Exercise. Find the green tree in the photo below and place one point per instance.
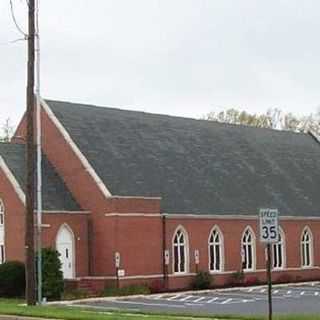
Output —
(52, 276)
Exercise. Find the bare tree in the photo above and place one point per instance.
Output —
(7, 130)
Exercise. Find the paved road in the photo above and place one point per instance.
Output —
(290, 299)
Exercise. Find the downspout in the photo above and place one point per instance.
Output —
(164, 248)
(90, 253)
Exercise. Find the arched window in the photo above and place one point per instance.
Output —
(306, 248)
(180, 251)
(215, 250)
(248, 250)
(2, 251)
(279, 252)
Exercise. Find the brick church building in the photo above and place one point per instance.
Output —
(134, 197)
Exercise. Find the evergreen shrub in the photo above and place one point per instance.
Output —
(12, 279)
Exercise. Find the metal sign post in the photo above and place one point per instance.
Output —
(197, 259)
(269, 280)
(117, 259)
(269, 233)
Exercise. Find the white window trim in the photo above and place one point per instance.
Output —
(2, 211)
(218, 230)
(311, 248)
(186, 251)
(4, 253)
(254, 258)
(283, 251)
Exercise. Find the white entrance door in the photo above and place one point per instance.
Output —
(65, 245)
(2, 257)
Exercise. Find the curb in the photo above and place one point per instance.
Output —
(10, 317)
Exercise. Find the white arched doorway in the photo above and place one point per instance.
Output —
(65, 246)
(2, 250)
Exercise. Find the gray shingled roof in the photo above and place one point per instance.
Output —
(197, 166)
(56, 196)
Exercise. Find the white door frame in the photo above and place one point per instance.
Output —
(73, 261)
(3, 230)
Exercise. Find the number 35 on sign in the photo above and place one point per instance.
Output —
(269, 225)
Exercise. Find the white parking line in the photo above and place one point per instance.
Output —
(199, 299)
(212, 300)
(174, 297)
(226, 301)
(186, 298)
(244, 295)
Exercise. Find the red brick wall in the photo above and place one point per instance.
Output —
(79, 225)
(198, 232)
(138, 239)
(89, 196)
(15, 228)
(70, 168)
(14, 220)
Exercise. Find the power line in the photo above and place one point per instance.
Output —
(12, 41)
(15, 21)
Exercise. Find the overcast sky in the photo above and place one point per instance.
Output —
(181, 57)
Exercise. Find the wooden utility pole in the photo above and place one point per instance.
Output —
(29, 222)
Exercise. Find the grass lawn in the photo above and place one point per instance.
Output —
(14, 307)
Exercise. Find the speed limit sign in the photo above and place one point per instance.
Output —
(269, 233)
(269, 225)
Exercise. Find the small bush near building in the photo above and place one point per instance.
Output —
(202, 281)
(126, 291)
(52, 277)
(12, 279)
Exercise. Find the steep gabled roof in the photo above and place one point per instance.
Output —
(56, 196)
(196, 166)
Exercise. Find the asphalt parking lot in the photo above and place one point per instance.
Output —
(293, 299)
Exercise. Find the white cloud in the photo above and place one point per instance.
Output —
(183, 57)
